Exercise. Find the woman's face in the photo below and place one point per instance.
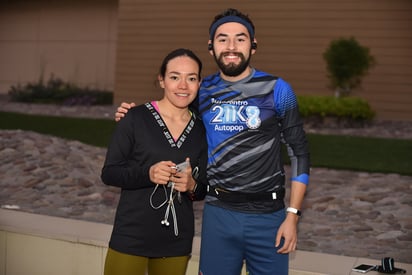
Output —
(181, 81)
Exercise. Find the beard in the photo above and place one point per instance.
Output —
(233, 69)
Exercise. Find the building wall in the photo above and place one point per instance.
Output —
(72, 40)
(292, 36)
(119, 44)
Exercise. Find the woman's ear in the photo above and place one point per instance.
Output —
(161, 81)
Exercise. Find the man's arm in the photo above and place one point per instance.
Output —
(288, 229)
(295, 140)
(294, 137)
(122, 110)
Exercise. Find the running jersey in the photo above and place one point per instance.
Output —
(246, 122)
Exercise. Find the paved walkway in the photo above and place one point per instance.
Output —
(345, 213)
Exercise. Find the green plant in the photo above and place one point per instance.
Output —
(350, 108)
(91, 131)
(56, 91)
(336, 152)
(347, 62)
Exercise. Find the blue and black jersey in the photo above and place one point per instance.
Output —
(246, 122)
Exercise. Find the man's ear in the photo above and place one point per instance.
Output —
(210, 47)
(254, 45)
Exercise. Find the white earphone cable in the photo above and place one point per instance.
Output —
(170, 206)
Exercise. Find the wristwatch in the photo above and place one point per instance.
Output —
(294, 211)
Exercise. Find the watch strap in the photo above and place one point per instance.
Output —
(294, 211)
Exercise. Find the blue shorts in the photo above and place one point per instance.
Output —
(231, 237)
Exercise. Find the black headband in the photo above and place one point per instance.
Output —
(228, 19)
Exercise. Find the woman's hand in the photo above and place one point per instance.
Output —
(183, 179)
(161, 172)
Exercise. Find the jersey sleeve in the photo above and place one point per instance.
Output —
(292, 131)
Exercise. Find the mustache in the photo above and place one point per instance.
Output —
(232, 53)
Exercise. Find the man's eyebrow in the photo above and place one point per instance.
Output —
(226, 35)
(242, 34)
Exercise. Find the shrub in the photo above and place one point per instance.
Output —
(56, 91)
(347, 110)
(347, 62)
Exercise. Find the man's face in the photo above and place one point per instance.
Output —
(232, 49)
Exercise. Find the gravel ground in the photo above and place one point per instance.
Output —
(345, 212)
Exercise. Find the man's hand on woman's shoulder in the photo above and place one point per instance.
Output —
(122, 110)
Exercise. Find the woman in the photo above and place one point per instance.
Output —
(154, 224)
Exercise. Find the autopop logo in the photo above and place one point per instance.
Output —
(233, 116)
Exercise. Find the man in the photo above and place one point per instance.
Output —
(248, 114)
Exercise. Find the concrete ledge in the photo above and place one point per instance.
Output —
(38, 244)
(70, 230)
